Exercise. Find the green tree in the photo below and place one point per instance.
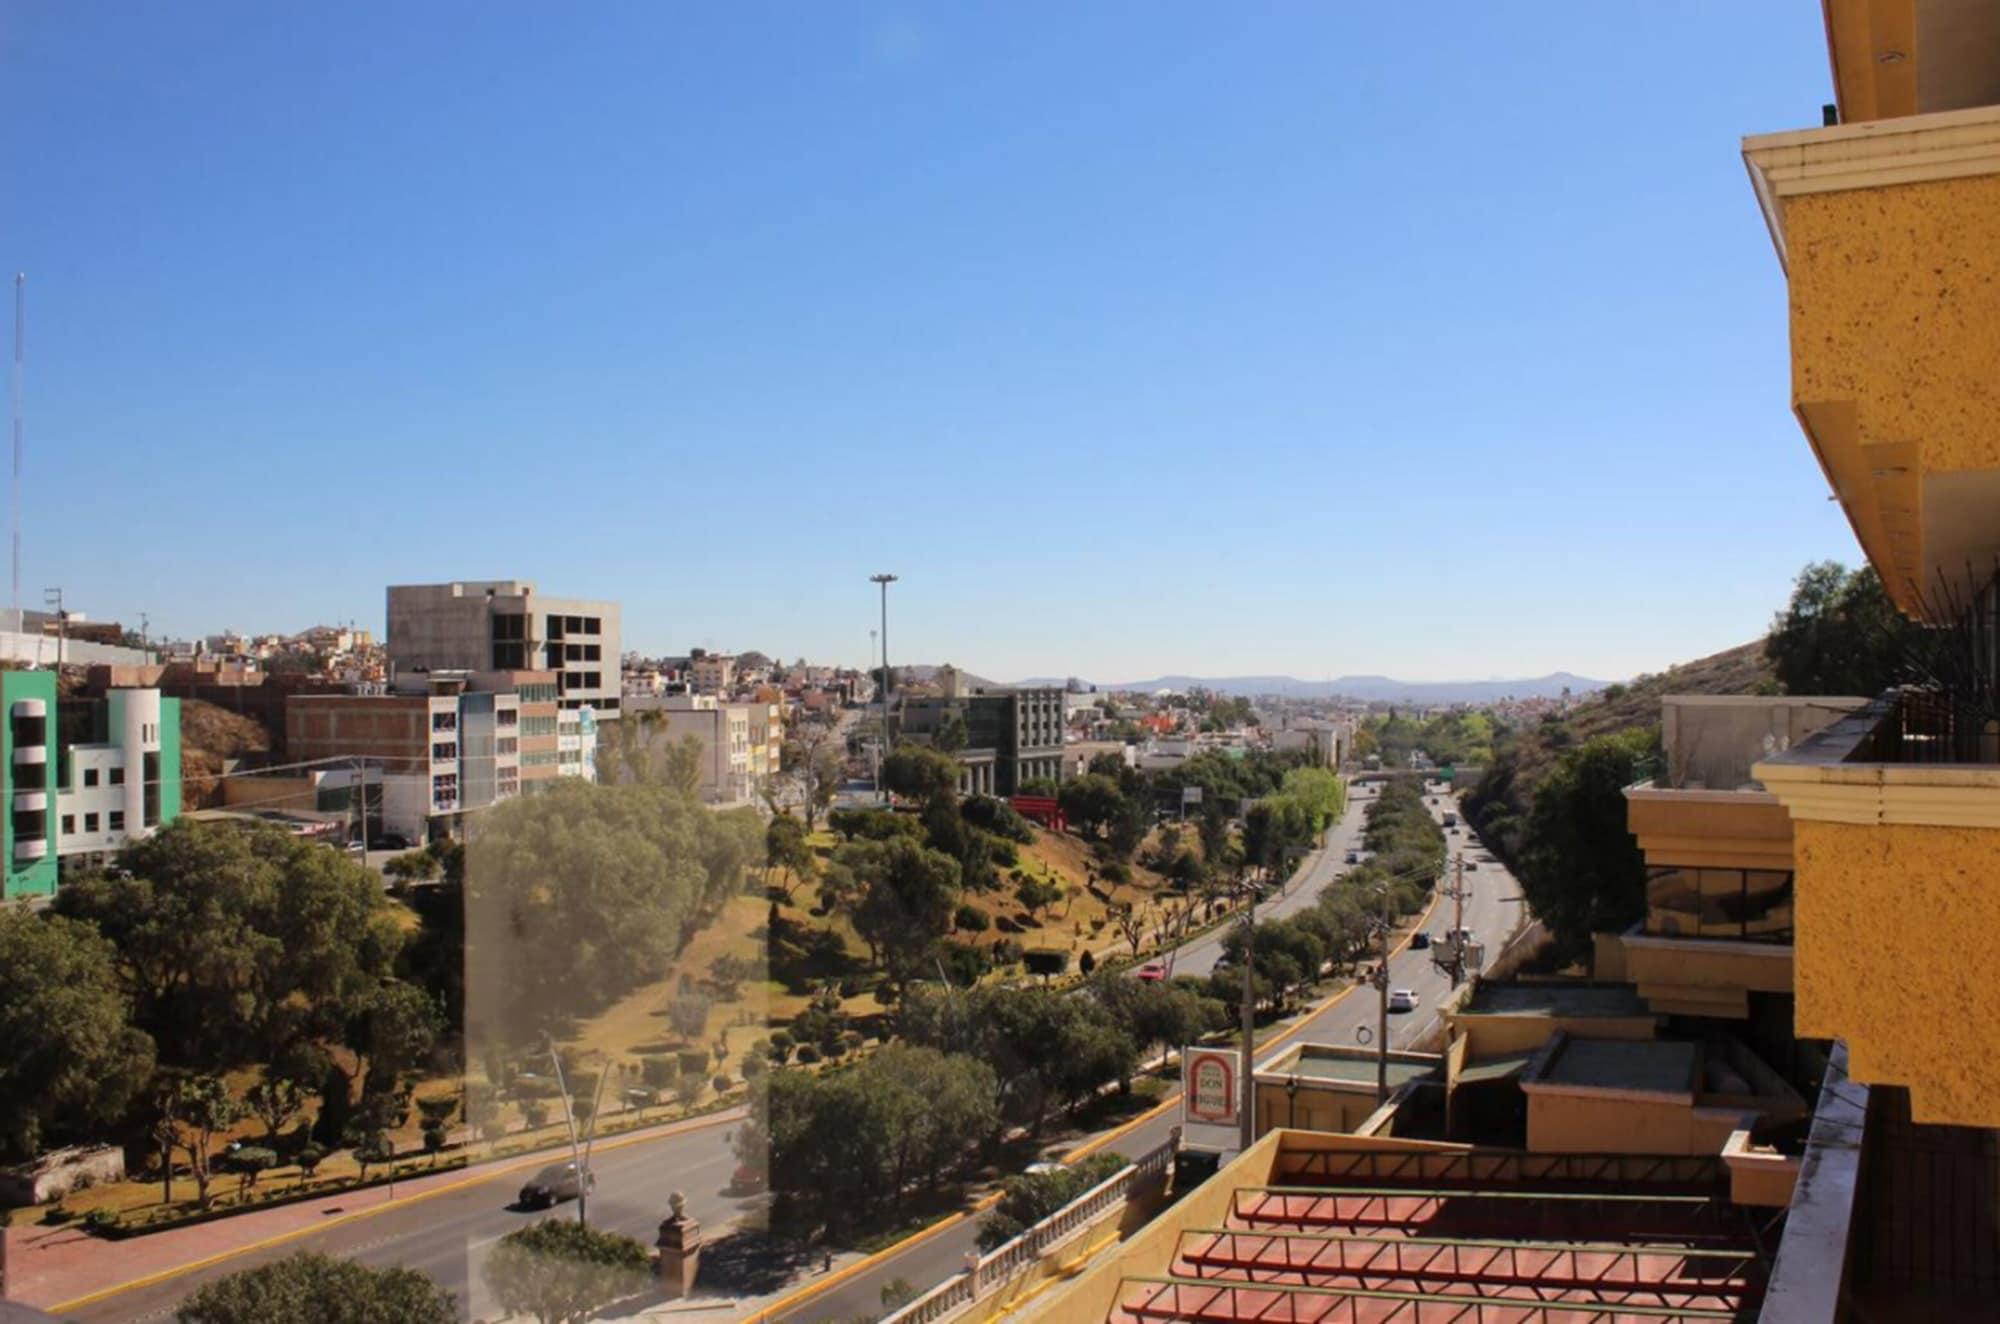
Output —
(1581, 870)
(1091, 802)
(194, 1109)
(1840, 634)
(908, 897)
(392, 1028)
(786, 853)
(921, 774)
(951, 735)
(232, 941)
(1037, 894)
(72, 1063)
(562, 1271)
(307, 1288)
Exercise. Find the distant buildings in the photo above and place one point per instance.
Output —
(81, 777)
(740, 742)
(505, 625)
(1003, 737)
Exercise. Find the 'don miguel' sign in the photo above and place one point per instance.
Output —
(1208, 1086)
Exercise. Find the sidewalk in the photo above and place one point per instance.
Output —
(47, 1266)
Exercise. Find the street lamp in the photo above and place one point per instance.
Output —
(883, 740)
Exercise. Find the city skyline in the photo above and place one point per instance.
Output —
(1072, 320)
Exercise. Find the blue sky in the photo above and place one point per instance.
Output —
(1437, 340)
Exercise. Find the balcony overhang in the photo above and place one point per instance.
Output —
(1700, 829)
(1909, 57)
(1889, 233)
(1817, 782)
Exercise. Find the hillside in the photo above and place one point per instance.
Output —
(1501, 799)
(210, 736)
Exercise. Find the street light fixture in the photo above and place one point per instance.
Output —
(882, 740)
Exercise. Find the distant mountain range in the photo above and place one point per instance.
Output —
(1383, 689)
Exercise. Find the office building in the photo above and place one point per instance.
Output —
(81, 777)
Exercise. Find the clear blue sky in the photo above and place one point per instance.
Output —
(1437, 340)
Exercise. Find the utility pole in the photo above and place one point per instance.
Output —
(1457, 894)
(1382, 1004)
(882, 745)
(1248, 1107)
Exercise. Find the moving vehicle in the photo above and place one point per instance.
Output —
(554, 1184)
(1472, 866)
(1354, 857)
(1402, 999)
(1451, 820)
(1420, 939)
(1153, 971)
(746, 1179)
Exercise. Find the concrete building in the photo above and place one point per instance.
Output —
(1005, 736)
(447, 744)
(712, 674)
(81, 777)
(505, 625)
(1886, 225)
(733, 770)
(1327, 741)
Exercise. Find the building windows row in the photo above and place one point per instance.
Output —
(444, 721)
(444, 753)
(538, 758)
(510, 626)
(507, 745)
(506, 716)
(444, 791)
(538, 726)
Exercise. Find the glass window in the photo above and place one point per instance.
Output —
(90, 822)
(118, 820)
(90, 776)
(118, 775)
(69, 825)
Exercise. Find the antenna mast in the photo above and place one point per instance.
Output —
(20, 336)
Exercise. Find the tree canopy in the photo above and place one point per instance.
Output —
(1582, 871)
(1840, 634)
(72, 1062)
(308, 1288)
(561, 1271)
(232, 941)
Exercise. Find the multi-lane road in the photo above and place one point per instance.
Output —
(449, 1235)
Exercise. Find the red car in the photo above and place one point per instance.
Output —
(1153, 971)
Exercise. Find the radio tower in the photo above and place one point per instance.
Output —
(20, 335)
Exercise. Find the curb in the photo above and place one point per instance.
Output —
(280, 1238)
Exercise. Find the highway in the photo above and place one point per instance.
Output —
(448, 1236)
(1493, 910)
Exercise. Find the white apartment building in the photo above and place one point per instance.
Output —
(712, 673)
(732, 771)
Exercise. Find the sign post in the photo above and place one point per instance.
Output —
(1209, 1096)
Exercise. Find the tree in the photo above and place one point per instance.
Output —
(562, 1271)
(1092, 802)
(72, 1063)
(193, 1109)
(1581, 871)
(688, 1014)
(951, 735)
(275, 1101)
(921, 774)
(249, 1162)
(307, 1288)
(786, 853)
(232, 941)
(909, 895)
(584, 893)
(415, 866)
(1840, 634)
(392, 1029)
(1037, 894)
(811, 763)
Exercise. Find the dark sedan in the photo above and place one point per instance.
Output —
(554, 1184)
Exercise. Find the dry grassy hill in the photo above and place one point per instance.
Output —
(210, 736)
(1506, 792)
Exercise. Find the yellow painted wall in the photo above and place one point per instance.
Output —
(1894, 305)
(1314, 1108)
(1689, 829)
(1709, 965)
(1893, 954)
(1597, 1122)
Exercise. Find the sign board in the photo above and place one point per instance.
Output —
(1190, 795)
(1209, 1092)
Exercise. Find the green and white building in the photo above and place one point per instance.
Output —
(81, 777)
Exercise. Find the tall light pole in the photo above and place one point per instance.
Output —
(882, 743)
(1247, 1133)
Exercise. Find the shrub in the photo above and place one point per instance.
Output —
(658, 1071)
(754, 1066)
(971, 919)
(719, 1083)
(309, 1158)
(808, 1054)
(1116, 872)
(693, 1061)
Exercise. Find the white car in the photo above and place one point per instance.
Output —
(1402, 999)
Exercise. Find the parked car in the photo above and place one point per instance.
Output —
(554, 1184)
(1354, 857)
(746, 1179)
(1153, 971)
(1472, 866)
(1402, 999)
(1420, 939)
(388, 841)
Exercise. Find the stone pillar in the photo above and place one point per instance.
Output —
(680, 1250)
(972, 1272)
